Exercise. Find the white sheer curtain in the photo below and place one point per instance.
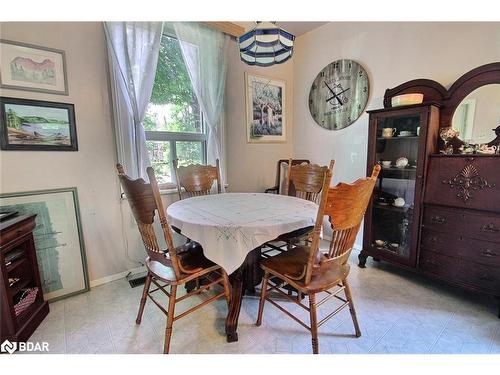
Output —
(133, 49)
(205, 53)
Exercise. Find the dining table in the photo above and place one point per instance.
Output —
(232, 228)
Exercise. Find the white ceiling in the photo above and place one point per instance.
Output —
(296, 28)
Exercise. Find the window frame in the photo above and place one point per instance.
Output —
(174, 137)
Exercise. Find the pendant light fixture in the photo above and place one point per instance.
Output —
(266, 45)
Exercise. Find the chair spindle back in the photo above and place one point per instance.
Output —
(197, 179)
(145, 200)
(306, 180)
(345, 206)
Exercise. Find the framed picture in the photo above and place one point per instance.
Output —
(32, 68)
(37, 126)
(58, 238)
(265, 107)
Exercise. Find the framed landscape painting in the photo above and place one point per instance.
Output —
(265, 108)
(58, 238)
(32, 68)
(36, 125)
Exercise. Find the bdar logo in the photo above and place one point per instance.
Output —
(8, 347)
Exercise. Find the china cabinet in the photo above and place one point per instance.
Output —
(392, 219)
(433, 212)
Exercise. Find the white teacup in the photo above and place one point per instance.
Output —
(388, 132)
(399, 202)
(386, 163)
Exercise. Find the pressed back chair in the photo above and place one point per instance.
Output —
(304, 181)
(197, 179)
(171, 267)
(309, 270)
(280, 180)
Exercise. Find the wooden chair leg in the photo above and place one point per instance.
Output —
(351, 308)
(262, 299)
(143, 298)
(170, 318)
(227, 288)
(314, 323)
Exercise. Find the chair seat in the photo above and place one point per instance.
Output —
(290, 267)
(191, 258)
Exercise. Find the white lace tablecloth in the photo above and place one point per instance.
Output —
(230, 225)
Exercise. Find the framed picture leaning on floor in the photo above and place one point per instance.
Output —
(58, 236)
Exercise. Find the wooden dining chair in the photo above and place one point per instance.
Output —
(304, 181)
(197, 179)
(171, 267)
(276, 189)
(311, 271)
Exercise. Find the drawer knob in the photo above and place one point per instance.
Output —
(490, 228)
(488, 253)
(438, 219)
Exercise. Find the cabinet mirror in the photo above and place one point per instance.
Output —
(478, 114)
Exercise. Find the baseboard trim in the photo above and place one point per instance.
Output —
(116, 276)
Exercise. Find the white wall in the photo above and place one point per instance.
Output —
(391, 53)
(92, 168)
(252, 166)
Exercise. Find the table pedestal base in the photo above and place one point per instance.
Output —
(244, 278)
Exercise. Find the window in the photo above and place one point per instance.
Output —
(173, 122)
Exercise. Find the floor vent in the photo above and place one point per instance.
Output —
(136, 281)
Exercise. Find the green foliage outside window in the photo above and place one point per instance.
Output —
(173, 107)
(172, 88)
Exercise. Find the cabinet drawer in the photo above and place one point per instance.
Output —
(438, 264)
(462, 223)
(484, 252)
(484, 277)
(20, 230)
(443, 243)
(464, 181)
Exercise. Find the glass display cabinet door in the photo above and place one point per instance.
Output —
(397, 151)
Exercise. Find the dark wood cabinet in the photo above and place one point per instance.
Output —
(392, 220)
(449, 227)
(19, 274)
(462, 220)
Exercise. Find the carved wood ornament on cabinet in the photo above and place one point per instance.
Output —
(467, 181)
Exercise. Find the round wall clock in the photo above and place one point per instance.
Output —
(339, 94)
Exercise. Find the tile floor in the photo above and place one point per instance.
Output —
(399, 312)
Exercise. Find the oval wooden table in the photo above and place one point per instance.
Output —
(232, 228)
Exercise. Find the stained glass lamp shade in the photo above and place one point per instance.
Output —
(266, 45)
